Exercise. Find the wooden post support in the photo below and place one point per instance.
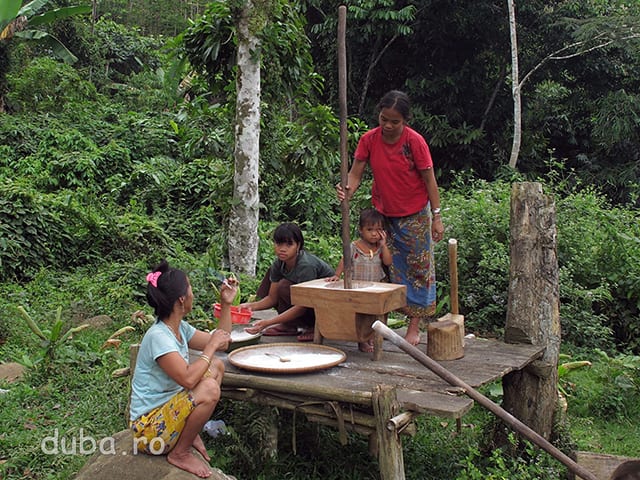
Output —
(385, 407)
(533, 310)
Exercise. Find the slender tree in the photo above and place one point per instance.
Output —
(592, 34)
(515, 86)
(243, 222)
(229, 43)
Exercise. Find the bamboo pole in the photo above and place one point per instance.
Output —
(344, 137)
(306, 406)
(401, 421)
(512, 421)
(356, 428)
(271, 384)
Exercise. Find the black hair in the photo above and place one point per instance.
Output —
(370, 216)
(171, 284)
(629, 470)
(397, 100)
(288, 233)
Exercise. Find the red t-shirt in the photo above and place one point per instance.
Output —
(398, 188)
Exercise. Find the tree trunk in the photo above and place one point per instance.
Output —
(533, 311)
(243, 224)
(515, 87)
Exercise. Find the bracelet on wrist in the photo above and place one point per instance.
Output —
(206, 358)
(436, 211)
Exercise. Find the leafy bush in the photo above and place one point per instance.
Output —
(31, 232)
(477, 215)
(598, 255)
(531, 465)
(598, 249)
(46, 86)
(609, 390)
(118, 50)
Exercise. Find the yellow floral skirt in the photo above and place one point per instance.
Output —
(158, 431)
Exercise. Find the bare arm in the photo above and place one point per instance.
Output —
(387, 258)
(188, 375)
(437, 228)
(287, 316)
(339, 270)
(270, 301)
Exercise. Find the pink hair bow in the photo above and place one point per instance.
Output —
(152, 278)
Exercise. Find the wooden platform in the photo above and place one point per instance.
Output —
(418, 389)
(345, 396)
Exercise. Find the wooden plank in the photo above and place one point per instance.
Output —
(300, 384)
(435, 403)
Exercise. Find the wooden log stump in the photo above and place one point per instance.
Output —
(445, 340)
(533, 309)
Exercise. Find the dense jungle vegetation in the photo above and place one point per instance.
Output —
(125, 156)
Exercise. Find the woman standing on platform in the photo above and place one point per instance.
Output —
(405, 191)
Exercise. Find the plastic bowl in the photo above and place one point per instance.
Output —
(238, 315)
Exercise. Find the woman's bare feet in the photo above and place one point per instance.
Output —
(413, 332)
(198, 444)
(366, 347)
(189, 462)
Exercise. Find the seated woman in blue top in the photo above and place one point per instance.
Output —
(292, 265)
(172, 399)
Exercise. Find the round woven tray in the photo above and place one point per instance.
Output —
(286, 357)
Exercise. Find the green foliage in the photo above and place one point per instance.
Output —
(210, 44)
(46, 86)
(52, 340)
(59, 230)
(14, 18)
(156, 17)
(607, 393)
(79, 395)
(597, 251)
(597, 257)
(530, 465)
(477, 215)
(122, 51)
(31, 232)
(201, 127)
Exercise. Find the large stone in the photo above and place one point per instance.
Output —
(99, 321)
(116, 460)
(11, 371)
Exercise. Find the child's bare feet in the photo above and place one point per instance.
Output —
(366, 347)
(413, 332)
(189, 462)
(198, 444)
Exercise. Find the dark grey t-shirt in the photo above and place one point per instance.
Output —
(308, 267)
